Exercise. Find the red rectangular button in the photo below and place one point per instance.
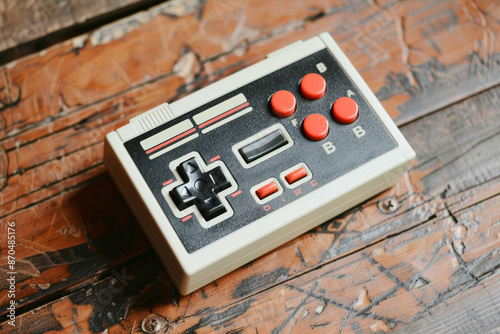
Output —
(266, 190)
(296, 175)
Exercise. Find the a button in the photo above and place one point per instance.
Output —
(283, 103)
(263, 146)
(296, 175)
(313, 86)
(315, 127)
(200, 188)
(345, 110)
(266, 190)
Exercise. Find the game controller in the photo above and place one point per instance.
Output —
(234, 170)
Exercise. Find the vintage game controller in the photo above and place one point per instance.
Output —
(244, 165)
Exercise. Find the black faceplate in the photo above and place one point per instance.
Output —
(351, 152)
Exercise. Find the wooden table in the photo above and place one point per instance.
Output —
(82, 263)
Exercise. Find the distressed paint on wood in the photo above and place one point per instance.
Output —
(25, 21)
(425, 196)
(87, 89)
(406, 277)
(51, 146)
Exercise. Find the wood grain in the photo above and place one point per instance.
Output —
(406, 277)
(85, 97)
(440, 242)
(76, 234)
(25, 21)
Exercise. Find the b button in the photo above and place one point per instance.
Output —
(313, 86)
(315, 127)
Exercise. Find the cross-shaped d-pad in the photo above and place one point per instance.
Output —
(200, 188)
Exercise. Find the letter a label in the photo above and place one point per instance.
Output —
(359, 132)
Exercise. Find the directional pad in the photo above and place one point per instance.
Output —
(200, 188)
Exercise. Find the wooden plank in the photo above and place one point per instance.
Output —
(441, 179)
(26, 21)
(71, 106)
(47, 162)
(414, 278)
(99, 65)
(52, 132)
(384, 287)
(68, 240)
(23, 153)
(473, 311)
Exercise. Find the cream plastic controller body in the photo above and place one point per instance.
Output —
(192, 270)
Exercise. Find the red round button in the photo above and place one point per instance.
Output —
(315, 127)
(313, 86)
(283, 103)
(345, 110)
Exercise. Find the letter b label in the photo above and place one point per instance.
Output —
(329, 147)
(358, 131)
(321, 67)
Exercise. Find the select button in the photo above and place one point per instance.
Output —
(263, 146)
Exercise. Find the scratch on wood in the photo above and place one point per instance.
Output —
(301, 257)
(322, 325)
(10, 93)
(337, 230)
(432, 74)
(220, 318)
(256, 282)
(478, 312)
(363, 312)
(117, 30)
(280, 328)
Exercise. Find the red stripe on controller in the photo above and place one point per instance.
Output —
(236, 193)
(187, 218)
(166, 183)
(170, 140)
(215, 158)
(227, 113)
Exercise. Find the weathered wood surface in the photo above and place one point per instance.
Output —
(25, 21)
(75, 234)
(442, 241)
